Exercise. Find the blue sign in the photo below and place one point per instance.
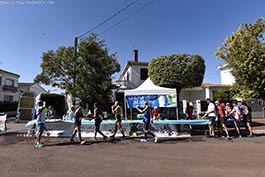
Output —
(153, 100)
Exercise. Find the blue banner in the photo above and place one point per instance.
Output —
(153, 100)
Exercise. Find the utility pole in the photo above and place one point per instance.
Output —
(75, 47)
(74, 66)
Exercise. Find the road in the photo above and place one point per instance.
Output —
(193, 157)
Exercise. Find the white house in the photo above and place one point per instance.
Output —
(226, 76)
(8, 86)
(32, 87)
(135, 73)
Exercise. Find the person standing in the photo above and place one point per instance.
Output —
(189, 111)
(211, 116)
(156, 113)
(71, 113)
(221, 117)
(246, 117)
(116, 110)
(77, 122)
(51, 114)
(147, 120)
(40, 122)
(97, 116)
(227, 110)
(236, 115)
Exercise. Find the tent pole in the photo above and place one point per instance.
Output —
(125, 108)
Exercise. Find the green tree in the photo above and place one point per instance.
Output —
(88, 76)
(177, 71)
(244, 52)
(221, 95)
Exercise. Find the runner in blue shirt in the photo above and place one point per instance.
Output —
(147, 119)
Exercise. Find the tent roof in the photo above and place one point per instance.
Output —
(149, 88)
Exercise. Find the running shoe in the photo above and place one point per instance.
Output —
(48, 134)
(94, 138)
(155, 139)
(39, 145)
(105, 138)
(143, 140)
(82, 142)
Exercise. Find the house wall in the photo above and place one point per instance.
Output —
(133, 75)
(5, 78)
(192, 95)
(226, 77)
(37, 89)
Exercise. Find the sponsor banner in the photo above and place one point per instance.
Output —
(153, 100)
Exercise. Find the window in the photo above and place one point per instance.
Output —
(10, 82)
(143, 73)
(8, 98)
(0, 81)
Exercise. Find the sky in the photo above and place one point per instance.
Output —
(153, 27)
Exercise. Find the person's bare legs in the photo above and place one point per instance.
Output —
(226, 130)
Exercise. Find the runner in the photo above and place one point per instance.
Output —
(97, 116)
(78, 117)
(116, 110)
(147, 118)
(40, 122)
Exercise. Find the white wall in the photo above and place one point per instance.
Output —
(191, 95)
(226, 77)
(134, 76)
(4, 77)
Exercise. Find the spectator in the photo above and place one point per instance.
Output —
(156, 113)
(51, 114)
(236, 116)
(246, 115)
(211, 116)
(221, 117)
(71, 113)
(189, 111)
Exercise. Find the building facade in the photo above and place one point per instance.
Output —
(226, 75)
(8, 86)
(134, 73)
(31, 87)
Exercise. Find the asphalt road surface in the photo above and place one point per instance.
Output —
(193, 157)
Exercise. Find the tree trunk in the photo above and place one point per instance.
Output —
(177, 103)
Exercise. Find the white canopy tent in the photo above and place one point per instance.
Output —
(148, 88)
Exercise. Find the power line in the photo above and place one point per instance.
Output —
(135, 12)
(108, 19)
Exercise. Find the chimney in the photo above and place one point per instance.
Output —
(135, 55)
